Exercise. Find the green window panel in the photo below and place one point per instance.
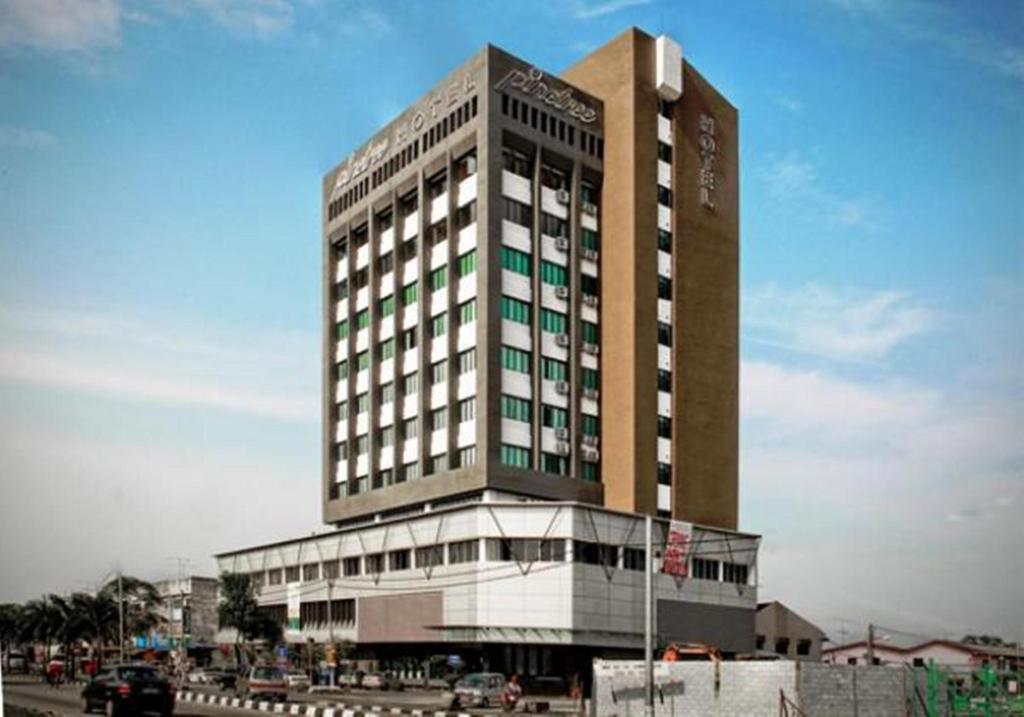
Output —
(410, 294)
(515, 260)
(552, 321)
(342, 328)
(591, 425)
(387, 306)
(589, 472)
(439, 278)
(591, 334)
(515, 310)
(590, 239)
(438, 325)
(517, 409)
(553, 274)
(591, 378)
(466, 263)
(553, 369)
(362, 319)
(341, 370)
(467, 312)
(552, 463)
(552, 417)
(515, 359)
(515, 456)
(362, 360)
(387, 349)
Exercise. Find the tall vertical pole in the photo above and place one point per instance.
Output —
(871, 644)
(649, 616)
(120, 618)
(330, 634)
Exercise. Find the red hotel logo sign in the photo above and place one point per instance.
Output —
(677, 549)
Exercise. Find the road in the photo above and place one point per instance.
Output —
(64, 700)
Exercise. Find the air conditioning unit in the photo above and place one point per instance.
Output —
(591, 455)
(562, 434)
(590, 208)
(562, 449)
(591, 348)
(590, 300)
(562, 340)
(590, 441)
(562, 196)
(590, 254)
(562, 292)
(562, 387)
(562, 243)
(590, 393)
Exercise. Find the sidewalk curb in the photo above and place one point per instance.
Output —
(302, 710)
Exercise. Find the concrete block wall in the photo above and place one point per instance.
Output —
(861, 690)
(751, 689)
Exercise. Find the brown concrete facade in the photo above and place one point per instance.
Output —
(355, 191)
(705, 299)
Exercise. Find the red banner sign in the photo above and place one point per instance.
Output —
(677, 549)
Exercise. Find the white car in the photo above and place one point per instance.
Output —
(297, 680)
(479, 689)
(197, 677)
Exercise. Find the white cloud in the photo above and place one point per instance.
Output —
(261, 18)
(83, 26)
(846, 325)
(586, 9)
(63, 372)
(874, 497)
(76, 507)
(24, 138)
(939, 27)
(268, 375)
(801, 400)
(793, 185)
(790, 104)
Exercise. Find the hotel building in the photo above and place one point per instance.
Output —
(530, 342)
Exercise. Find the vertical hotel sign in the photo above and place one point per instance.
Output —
(675, 559)
(708, 146)
(294, 606)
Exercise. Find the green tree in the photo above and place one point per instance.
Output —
(239, 609)
(40, 622)
(98, 620)
(68, 627)
(139, 600)
(10, 627)
(987, 641)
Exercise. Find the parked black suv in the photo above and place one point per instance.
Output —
(128, 690)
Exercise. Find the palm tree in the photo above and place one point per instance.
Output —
(69, 627)
(139, 600)
(98, 619)
(10, 623)
(40, 621)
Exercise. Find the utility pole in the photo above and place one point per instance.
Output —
(871, 644)
(649, 616)
(330, 634)
(120, 618)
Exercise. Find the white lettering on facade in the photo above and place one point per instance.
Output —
(708, 154)
(531, 82)
(407, 130)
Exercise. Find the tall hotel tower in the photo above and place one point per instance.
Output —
(530, 295)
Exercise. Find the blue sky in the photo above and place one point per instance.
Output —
(160, 165)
